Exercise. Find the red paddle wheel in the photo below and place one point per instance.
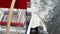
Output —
(20, 4)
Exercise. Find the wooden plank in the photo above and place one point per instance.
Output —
(10, 16)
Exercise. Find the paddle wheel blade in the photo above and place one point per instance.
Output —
(20, 4)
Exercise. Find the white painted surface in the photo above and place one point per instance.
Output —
(1, 14)
(12, 30)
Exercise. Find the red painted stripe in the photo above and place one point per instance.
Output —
(16, 24)
(20, 4)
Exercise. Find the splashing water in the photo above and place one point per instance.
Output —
(45, 10)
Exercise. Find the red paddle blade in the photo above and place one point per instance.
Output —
(20, 4)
